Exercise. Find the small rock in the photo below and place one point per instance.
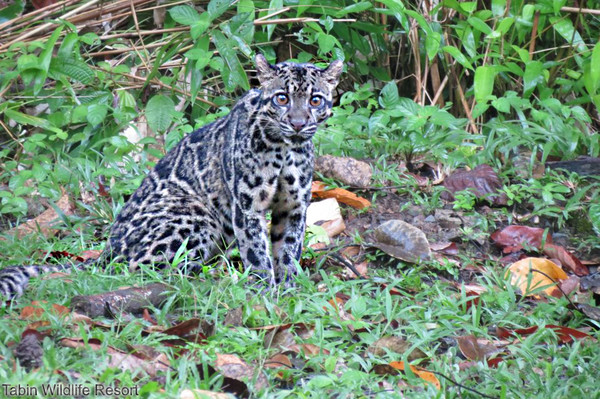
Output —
(430, 219)
(349, 171)
(402, 240)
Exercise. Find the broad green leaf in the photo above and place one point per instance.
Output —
(326, 42)
(27, 120)
(501, 104)
(159, 112)
(217, 7)
(75, 69)
(11, 11)
(484, 82)
(233, 73)
(532, 76)
(505, 25)
(274, 5)
(498, 7)
(458, 56)
(69, 46)
(96, 114)
(200, 26)
(356, 7)
(126, 100)
(185, 15)
(479, 25)
(432, 44)
(389, 96)
(45, 58)
(565, 28)
(244, 6)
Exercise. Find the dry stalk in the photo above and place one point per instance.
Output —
(580, 10)
(297, 20)
(49, 24)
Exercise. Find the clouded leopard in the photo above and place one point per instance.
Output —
(216, 185)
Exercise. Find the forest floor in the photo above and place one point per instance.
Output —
(499, 302)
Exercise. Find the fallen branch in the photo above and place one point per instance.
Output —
(131, 300)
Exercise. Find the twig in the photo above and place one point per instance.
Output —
(33, 16)
(273, 14)
(144, 32)
(10, 133)
(580, 10)
(483, 395)
(49, 24)
(298, 20)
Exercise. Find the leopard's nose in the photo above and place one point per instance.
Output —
(298, 124)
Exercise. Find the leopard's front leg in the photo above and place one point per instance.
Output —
(250, 231)
(289, 212)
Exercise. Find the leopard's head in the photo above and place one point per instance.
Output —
(297, 97)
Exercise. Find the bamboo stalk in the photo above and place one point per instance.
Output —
(144, 33)
(49, 24)
(33, 16)
(580, 10)
(273, 14)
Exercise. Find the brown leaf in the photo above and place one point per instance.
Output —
(512, 238)
(475, 349)
(482, 181)
(45, 221)
(233, 367)
(90, 254)
(344, 196)
(35, 310)
(419, 371)
(394, 344)
(278, 360)
(567, 259)
(402, 240)
(308, 349)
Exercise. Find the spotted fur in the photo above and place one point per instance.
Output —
(216, 185)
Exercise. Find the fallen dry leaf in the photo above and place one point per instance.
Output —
(35, 310)
(475, 349)
(45, 221)
(394, 344)
(482, 181)
(565, 334)
(420, 372)
(402, 240)
(344, 196)
(567, 259)
(513, 237)
(525, 277)
(233, 367)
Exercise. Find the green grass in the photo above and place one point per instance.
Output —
(428, 315)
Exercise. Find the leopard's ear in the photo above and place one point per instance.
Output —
(266, 71)
(332, 73)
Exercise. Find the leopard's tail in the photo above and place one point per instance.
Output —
(14, 279)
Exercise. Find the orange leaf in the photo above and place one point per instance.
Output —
(421, 372)
(35, 311)
(525, 277)
(344, 196)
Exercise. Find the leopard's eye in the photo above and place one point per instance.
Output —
(281, 99)
(315, 101)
